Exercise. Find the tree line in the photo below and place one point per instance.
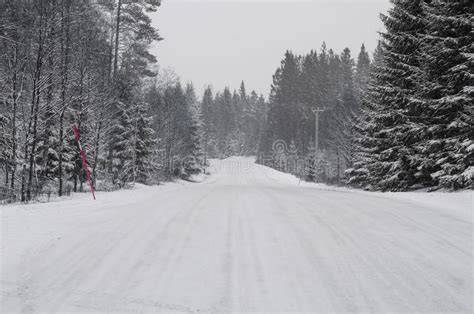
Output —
(233, 122)
(416, 128)
(320, 80)
(82, 63)
(399, 121)
(88, 64)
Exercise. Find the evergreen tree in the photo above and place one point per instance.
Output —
(385, 126)
(195, 154)
(58, 61)
(225, 122)
(285, 108)
(121, 154)
(144, 145)
(343, 116)
(362, 71)
(209, 121)
(444, 107)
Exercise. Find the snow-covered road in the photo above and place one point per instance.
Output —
(246, 239)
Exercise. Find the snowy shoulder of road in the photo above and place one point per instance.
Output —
(245, 238)
(461, 202)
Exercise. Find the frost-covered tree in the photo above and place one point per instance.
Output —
(195, 154)
(6, 142)
(342, 117)
(143, 144)
(386, 134)
(444, 105)
(63, 63)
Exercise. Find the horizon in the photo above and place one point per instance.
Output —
(251, 51)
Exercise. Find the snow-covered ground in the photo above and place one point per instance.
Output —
(247, 238)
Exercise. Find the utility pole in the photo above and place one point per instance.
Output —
(316, 112)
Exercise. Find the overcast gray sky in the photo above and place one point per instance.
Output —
(222, 42)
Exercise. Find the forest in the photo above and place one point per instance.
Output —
(396, 120)
(401, 120)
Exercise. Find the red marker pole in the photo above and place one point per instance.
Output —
(84, 162)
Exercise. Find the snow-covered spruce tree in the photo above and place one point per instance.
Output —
(363, 157)
(176, 132)
(122, 133)
(332, 98)
(237, 136)
(48, 141)
(246, 120)
(225, 124)
(194, 159)
(143, 143)
(133, 144)
(445, 105)
(250, 124)
(385, 133)
(120, 155)
(261, 120)
(342, 116)
(209, 125)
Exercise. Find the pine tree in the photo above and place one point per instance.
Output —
(131, 22)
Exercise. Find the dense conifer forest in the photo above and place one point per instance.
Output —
(397, 119)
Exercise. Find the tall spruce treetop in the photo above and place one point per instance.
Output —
(362, 72)
(309, 80)
(207, 109)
